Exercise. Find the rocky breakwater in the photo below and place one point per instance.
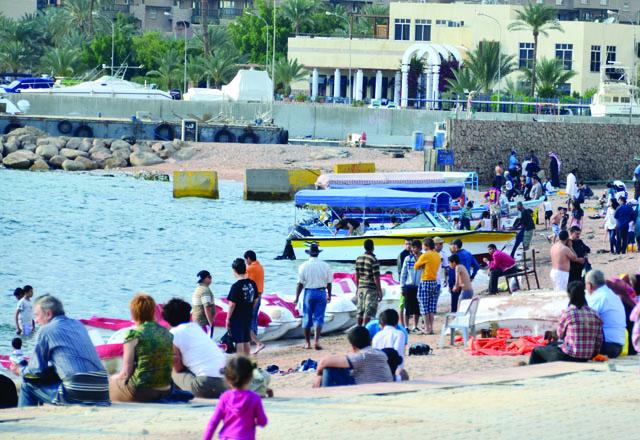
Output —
(31, 149)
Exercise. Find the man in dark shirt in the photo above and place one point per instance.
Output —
(350, 224)
(526, 227)
(368, 284)
(581, 250)
(624, 215)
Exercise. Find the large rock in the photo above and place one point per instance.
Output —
(47, 151)
(20, 159)
(86, 145)
(72, 165)
(164, 149)
(115, 162)
(185, 153)
(74, 143)
(11, 145)
(120, 145)
(29, 147)
(122, 154)
(104, 143)
(101, 154)
(72, 154)
(57, 161)
(98, 148)
(39, 165)
(141, 147)
(143, 159)
(87, 163)
(35, 132)
(55, 141)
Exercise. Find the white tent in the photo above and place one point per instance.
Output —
(249, 85)
(196, 94)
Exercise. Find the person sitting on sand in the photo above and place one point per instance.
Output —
(390, 336)
(240, 410)
(147, 357)
(611, 311)
(579, 330)
(243, 298)
(561, 257)
(501, 264)
(315, 278)
(197, 360)
(364, 365)
(65, 367)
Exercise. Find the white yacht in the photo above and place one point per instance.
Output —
(616, 95)
(105, 87)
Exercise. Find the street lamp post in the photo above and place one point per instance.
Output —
(266, 57)
(349, 23)
(499, 52)
(113, 39)
(273, 58)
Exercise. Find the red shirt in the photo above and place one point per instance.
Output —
(581, 330)
(501, 260)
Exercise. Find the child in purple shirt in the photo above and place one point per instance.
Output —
(240, 410)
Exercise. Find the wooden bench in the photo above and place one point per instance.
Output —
(525, 268)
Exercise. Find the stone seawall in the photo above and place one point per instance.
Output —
(598, 151)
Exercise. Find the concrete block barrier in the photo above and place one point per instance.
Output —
(277, 183)
(195, 184)
(361, 167)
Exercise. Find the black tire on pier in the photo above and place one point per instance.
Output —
(225, 136)
(83, 131)
(249, 137)
(283, 137)
(10, 127)
(164, 132)
(64, 127)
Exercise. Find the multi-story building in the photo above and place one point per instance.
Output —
(15, 10)
(437, 32)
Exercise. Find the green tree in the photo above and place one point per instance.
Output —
(549, 76)
(463, 81)
(513, 87)
(484, 64)
(194, 69)
(60, 61)
(150, 47)
(169, 68)
(98, 51)
(539, 19)
(416, 69)
(13, 56)
(288, 72)
(299, 13)
(220, 68)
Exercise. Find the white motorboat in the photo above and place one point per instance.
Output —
(616, 95)
(105, 87)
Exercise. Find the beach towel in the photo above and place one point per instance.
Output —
(499, 346)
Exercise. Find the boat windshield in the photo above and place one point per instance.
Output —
(419, 221)
(441, 221)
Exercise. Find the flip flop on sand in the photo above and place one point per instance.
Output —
(306, 347)
(259, 348)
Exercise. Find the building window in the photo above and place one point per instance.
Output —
(604, 2)
(611, 54)
(625, 6)
(564, 53)
(442, 22)
(564, 89)
(525, 59)
(423, 30)
(584, 2)
(595, 59)
(402, 28)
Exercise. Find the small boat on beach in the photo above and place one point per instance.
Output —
(616, 95)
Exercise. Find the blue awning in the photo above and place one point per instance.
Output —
(369, 198)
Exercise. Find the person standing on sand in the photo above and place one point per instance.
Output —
(572, 187)
(242, 298)
(624, 215)
(526, 225)
(462, 288)
(561, 257)
(368, 284)
(409, 281)
(582, 251)
(255, 272)
(514, 165)
(428, 290)
(401, 258)
(314, 276)
(204, 309)
(554, 169)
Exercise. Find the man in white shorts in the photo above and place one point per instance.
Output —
(561, 257)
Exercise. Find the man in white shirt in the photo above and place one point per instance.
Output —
(390, 337)
(315, 277)
(572, 187)
(611, 311)
(197, 360)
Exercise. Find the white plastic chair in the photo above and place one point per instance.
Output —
(464, 321)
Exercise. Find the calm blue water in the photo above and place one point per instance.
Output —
(95, 240)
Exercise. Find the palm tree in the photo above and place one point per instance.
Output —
(513, 88)
(194, 69)
(220, 68)
(218, 39)
(549, 76)
(13, 55)
(463, 81)
(91, 4)
(539, 19)
(484, 64)
(169, 71)
(288, 72)
(299, 13)
(416, 69)
(60, 61)
(204, 17)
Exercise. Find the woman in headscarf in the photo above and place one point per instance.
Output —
(554, 169)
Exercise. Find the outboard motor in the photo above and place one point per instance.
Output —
(287, 253)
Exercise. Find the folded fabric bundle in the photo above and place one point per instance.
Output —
(499, 347)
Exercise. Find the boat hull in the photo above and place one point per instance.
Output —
(387, 246)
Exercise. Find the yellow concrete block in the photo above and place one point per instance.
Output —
(362, 167)
(195, 184)
(302, 178)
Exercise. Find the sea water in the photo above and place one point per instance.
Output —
(93, 240)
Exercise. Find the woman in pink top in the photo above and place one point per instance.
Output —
(501, 264)
(239, 409)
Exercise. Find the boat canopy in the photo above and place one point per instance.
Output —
(408, 181)
(371, 198)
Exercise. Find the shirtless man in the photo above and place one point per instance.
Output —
(561, 257)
